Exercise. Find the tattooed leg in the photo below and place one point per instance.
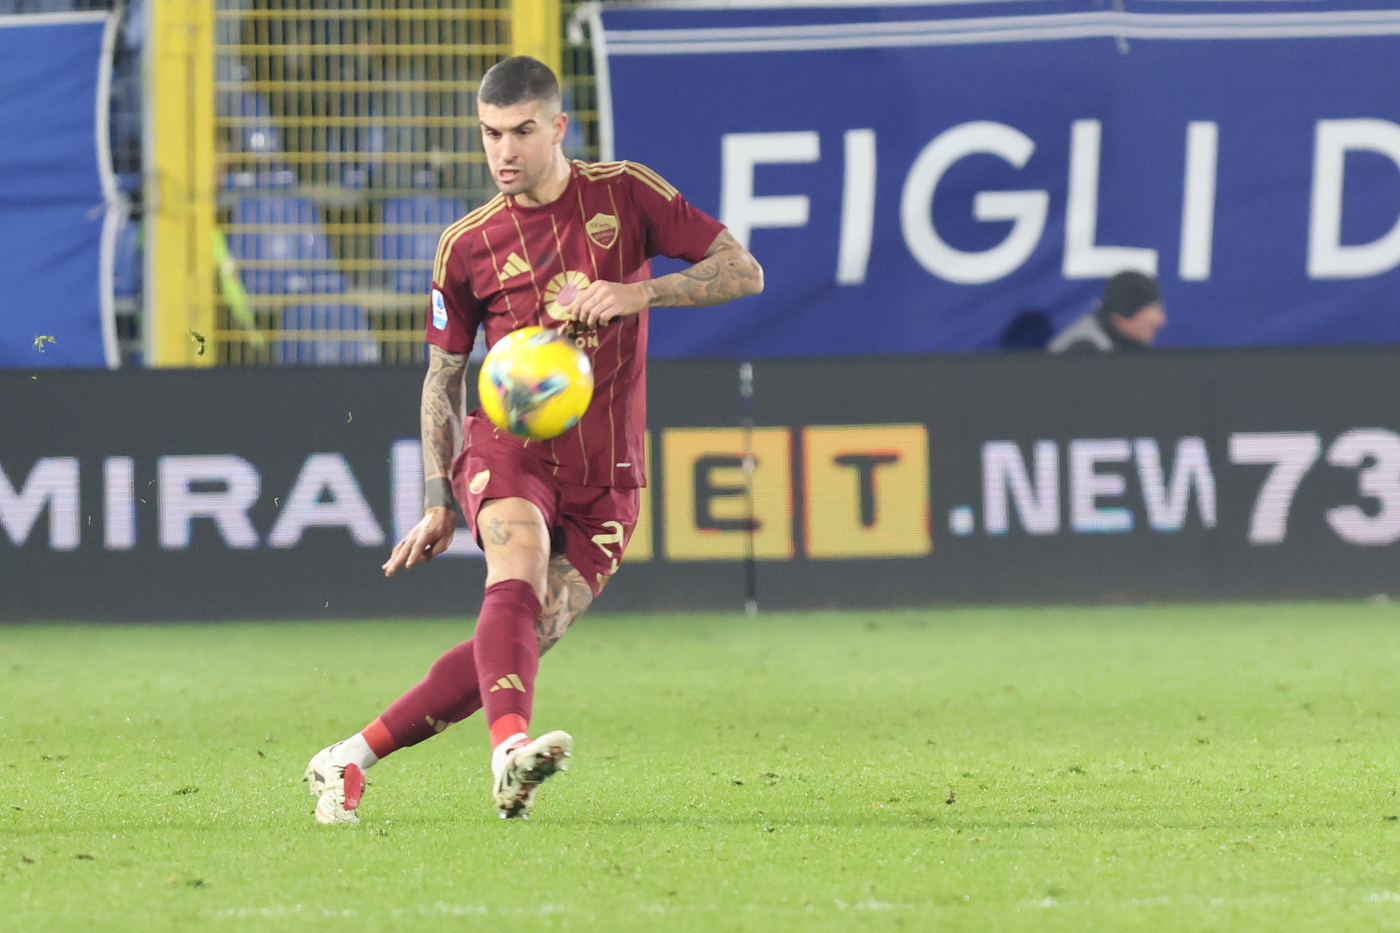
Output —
(566, 596)
(516, 540)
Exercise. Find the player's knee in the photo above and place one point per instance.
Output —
(526, 562)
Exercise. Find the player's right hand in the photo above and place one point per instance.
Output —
(429, 538)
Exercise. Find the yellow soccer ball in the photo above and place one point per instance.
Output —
(535, 383)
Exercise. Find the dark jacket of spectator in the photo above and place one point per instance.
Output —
(1127, 319)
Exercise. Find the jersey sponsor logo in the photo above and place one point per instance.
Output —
(439, 311)
(602, 229)
(509, 682)
(562, 291)
(514, 266)
(479, 482)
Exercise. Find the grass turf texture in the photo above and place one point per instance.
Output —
(1185, 768)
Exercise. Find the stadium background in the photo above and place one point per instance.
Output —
(278, 175)
(1226, 762)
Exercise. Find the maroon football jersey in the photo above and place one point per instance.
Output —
(508, 266)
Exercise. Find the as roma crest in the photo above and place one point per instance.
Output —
(602, 229)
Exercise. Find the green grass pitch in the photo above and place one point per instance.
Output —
(1183, 768)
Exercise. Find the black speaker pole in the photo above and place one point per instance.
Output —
(750, 521)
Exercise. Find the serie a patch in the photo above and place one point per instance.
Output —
(439, 311)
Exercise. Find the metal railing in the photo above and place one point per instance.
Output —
(345, 141)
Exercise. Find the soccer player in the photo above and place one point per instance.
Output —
(565, 245)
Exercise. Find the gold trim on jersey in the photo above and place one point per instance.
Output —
(621, 262)
(496, 267)
(592, 256)
(597, 171)
(520, 235)
(452, 234)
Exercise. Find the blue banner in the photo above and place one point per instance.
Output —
(913, 177)
(52, 204)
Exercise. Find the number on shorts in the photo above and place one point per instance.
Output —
(615, 538)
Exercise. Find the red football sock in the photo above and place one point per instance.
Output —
(447, 695)
(508, 725)
(507, 655)
(379, 739)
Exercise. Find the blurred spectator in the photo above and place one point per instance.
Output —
(1029, 330)
(1128, 318)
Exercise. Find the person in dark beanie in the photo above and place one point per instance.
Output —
(1128, 318)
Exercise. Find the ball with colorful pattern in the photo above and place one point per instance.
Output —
(535, 383)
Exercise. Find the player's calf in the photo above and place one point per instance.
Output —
(566, 596)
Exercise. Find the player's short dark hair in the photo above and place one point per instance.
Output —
(518, 80)
(1127, 293)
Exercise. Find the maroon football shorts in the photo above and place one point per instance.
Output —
(590, 525)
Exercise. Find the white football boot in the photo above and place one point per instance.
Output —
(337, 788)
(520, 768)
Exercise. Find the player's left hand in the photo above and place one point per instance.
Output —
(602, 302)
(427, 539)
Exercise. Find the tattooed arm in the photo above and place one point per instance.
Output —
(440, 415)
(728, 271)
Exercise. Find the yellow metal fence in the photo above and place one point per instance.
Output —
(344, 140)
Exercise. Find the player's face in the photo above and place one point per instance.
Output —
(1144, 325)
(520, 142)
